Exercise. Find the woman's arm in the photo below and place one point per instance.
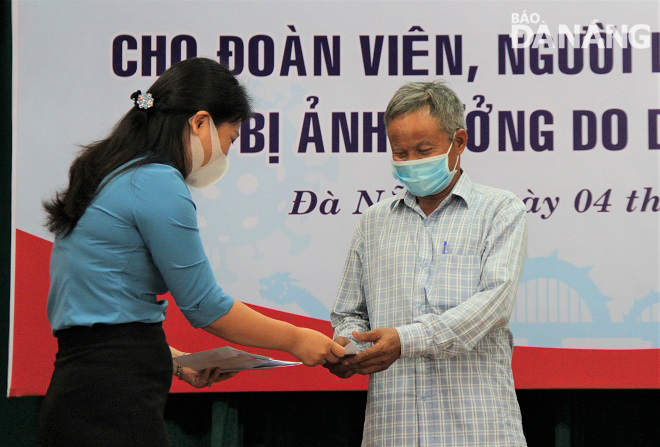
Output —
(170, 232)
(248, 327)
(175, 353)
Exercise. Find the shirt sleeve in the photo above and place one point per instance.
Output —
(167, 220)
(350, 310)
(459, 329)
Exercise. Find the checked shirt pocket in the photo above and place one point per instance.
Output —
(455, 279)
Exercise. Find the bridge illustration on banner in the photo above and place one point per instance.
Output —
(558, 301)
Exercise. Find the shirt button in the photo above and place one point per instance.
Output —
(423, 397)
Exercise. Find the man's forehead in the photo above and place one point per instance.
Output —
(415, 124)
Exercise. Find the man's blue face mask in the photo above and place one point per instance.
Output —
(426, 176)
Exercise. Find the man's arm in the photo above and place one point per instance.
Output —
(459, 329)
(349, 313)
(350, 310)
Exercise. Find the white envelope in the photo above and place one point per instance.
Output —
(229, 360)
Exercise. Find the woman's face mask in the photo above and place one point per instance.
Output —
(206, 174)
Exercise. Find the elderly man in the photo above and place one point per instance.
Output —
(428, 289)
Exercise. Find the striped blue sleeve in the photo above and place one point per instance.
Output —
(350, 310)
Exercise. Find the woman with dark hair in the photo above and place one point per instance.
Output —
(126, 231)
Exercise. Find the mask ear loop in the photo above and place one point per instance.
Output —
(196, 149)
(450, 148)
(215, 142)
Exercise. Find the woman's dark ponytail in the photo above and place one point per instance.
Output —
(152, 134)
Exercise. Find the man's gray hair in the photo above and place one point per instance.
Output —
(441, 101)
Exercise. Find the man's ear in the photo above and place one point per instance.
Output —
(461, 139)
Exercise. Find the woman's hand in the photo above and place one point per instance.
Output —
(204, 378)
(314, 348)
(245, 326)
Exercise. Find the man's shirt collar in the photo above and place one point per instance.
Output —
(462, 189)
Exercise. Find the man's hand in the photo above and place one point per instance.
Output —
(385, 351)
(337, 368)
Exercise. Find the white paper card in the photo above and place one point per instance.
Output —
(351, 349)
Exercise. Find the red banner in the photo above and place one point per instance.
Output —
(34, 347)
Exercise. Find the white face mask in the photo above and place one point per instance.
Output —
(203, 176)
